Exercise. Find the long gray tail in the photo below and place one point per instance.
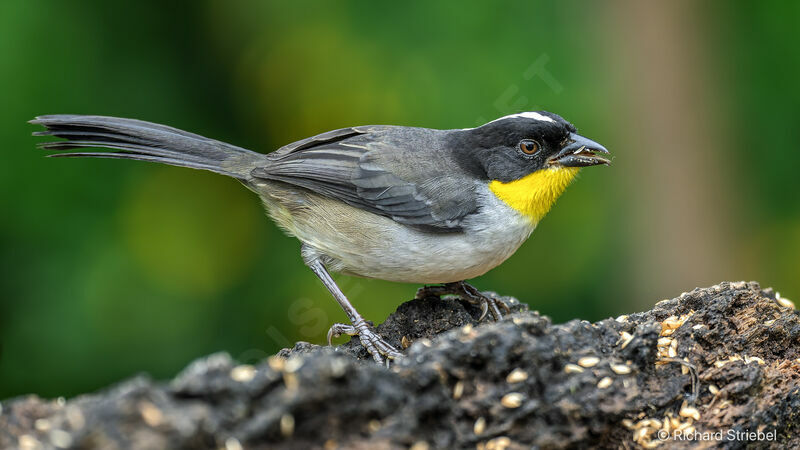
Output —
(144, 141)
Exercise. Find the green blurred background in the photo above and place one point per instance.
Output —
(110, 267)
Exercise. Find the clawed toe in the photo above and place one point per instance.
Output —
(339, 329)
(375, 345)
(494, 305)
(470, 294)
(489, 304)
(436, 290)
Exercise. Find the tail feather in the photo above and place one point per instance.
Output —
(143, 141)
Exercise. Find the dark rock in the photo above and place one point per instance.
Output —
(712, 360)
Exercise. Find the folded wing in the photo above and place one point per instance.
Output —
(374, 169)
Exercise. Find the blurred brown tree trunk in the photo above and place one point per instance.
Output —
(675, 146)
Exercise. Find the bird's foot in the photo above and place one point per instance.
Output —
(468, 293)
(370, 339)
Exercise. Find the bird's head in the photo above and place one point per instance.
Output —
(528, 158)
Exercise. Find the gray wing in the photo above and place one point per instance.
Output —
(378, 169)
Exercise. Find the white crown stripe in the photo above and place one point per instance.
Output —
(527, 115)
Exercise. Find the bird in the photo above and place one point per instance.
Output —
(397, 203)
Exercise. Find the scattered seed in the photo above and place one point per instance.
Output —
(28, 442)
(290, 381)
(151, 414)
(233, 444)
(374, 425)
(293, 364)
(665, 341)
(42, 424)
(512, 400)
(287, 425)
(626, 338)
(60, 438)
(498, 443)
(75, 418)
(671, 350)
(749, 359)
(338, 367)
(588, 361)
(698, 326)
(769, 322)
(722, 362)
(420, 445)
(785, 302)
(276, 363)
(671, 323)
(516, 376)
(243, 373)
(458, 390)
(604, 383)
(405, 342)
(622, 319)
(713, 389)
(689, 411)
(479, 427)
(572, 368)
(620, 369)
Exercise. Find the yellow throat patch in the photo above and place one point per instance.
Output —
(533, 195)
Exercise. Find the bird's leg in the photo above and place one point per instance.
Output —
(468, 293)
(374, 344)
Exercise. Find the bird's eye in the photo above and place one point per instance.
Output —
(528, 146)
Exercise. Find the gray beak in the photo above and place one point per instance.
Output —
(579, 152)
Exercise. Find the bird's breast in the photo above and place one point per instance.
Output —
(358, 242)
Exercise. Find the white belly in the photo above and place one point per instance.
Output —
(360, 243)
